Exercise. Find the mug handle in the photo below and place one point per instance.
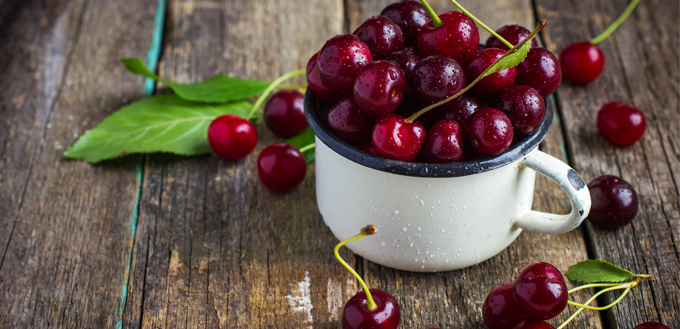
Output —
(570, 181)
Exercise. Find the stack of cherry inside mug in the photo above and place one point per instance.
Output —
(398, 63)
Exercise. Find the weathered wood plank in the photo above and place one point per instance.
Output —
(642, 70)
(66, 224)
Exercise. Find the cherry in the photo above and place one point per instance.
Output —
(406, 59)
(444, 143)
(410, 16)
(356, 314)
(525, 108)
(281, 167)
(457, 37)
(395, 139)
(489, 131)
(582, 62)
(379, 88)
(322, 92)
(511, 33)
(349, 123)
(541, 71)
(437, 77)
(340, 59)
(382, 36)
(533, 324)
(651, 325)
(461, 108)
(614, 202)
(231, 136)
(494, 83)
(539, 290)
(620, 124)
(368, 148)
(499, 310)
(284, 113)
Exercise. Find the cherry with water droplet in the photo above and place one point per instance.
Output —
(461, 108)
(614, 202)
(350, 123)
(540, 70)
(406, 59)
(356, 314)
(525, 108)
(511, 33)
(540, 291)
(494, 83)
(322, 92)
(340, 59)
(435, 78)
(620, 124)
(284, 113)
(457, 37)
(281, 167)
(232, 137)
(489, 131)
(444, 143)
(410, 16)
(393, 138)
(499, 310)
(381, 35)
(379, 88)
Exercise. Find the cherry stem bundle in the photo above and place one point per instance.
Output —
(616, 23)
(271, 87)
(541, 24)
(436, 21)
(365, 231)
(505, 42)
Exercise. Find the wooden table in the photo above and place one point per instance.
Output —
(167, 241)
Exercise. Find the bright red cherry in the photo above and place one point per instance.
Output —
(540, 291)
(457, 37)
(340, 59)
(620, 124)
(356, 314)
(284, 113)
(511, 33)
(393, 138)
(582, 62)
(406, 60)
(410, 16)
(614, 202)
(525, 108)
(494, 83)
(461, 108)
(322, 92)
(381, 35)
(489, 131)
(499, 310)
(350, 123)
(437, 77)
(444, 143)
(379, 88)
(281, 167)
(231, 137)
(541, 71)
(651, 325)
(533, 324)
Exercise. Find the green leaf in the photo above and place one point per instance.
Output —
(218, 89)
(164, 123)
(303, 139)
(595, 270)
(510, 60)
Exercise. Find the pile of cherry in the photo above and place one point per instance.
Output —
(399, 62)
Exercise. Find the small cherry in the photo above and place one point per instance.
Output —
(393, 138)
(350, 123)
(370, 308)
(651, 325)
(444, 143)
(620, 124)
(525, 108)
(511, 33)
(281, 167)
(410, 16)
(340, 59)
(452, 34)
(437, 77)
(614, 202)
(379, 87)
(322, 92)
(406, 59)
(540, 291)
(382, 36)
(540, 70)
(489, 131)
(231, 136)
(284, 113)
(499, 310)
(533, 324)
(461, 108)
(494, 83)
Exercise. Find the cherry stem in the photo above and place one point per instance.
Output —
(271, 87)
(616, 23)
(365, 231)
(508, 44)
(541, 24)
(307, 148)
(436, 21)
(285, 86)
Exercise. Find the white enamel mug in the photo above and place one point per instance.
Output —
(438, 217)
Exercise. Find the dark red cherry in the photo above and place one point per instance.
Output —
(284, 113)
(533, 324)
(437, 77)
(539, 290)
(393, 138)
(231, 137)
(349, 123)
(489, 131)
(499, 310)
(620, 124)
(461, 108)
(322, 92)
(525, 108)
(444, 143)
(281, 167)
(356, 314)
(582, 62)
(494, 83)
(340, 59)
(368, 148)
(410, 16)
(614, 202)
(541, 71)
(381, 35)
(379, 88)
(406, 59)
(651, 325)
(511, 33)
(457, 37)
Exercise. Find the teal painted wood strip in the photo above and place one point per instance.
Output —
(154, 54)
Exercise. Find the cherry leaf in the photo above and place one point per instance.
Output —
(595, 270)
(511, 59)
(305, 138)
